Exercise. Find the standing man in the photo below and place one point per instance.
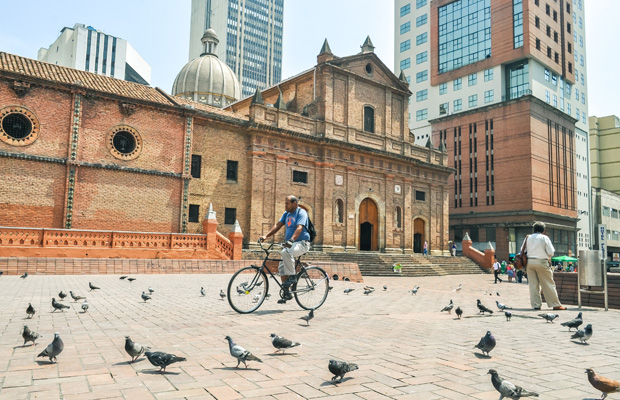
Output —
(496, 270)
(425, 250)
(539, 253)
(453, 249)
(297, 242)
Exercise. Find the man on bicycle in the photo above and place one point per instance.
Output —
(297, 242)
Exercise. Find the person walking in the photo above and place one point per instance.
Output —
(453, 249)
(425, 251)
(539, 269)
(510, 271)
(519, 275)
(496, 270)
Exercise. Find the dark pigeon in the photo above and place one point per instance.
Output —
(134, 349)
(486, 343)
(448, 308)
(58, 306)
(92, 287)
(415, 290)
(347, 291)
(24, 276)
(458, 312)
(202, 291)
(53, 349)
(281, 343)
(62, 295)
(574, 323)
(346, 279)
(30, 310)
(483, 308)
(583, 334)
(131, 279)
(507, 389)
(508, 315)
(145, 297)
(222, 294)
(549, 316)
(162, 360)
(123, 277)
(75, 297)
(29, 336)
(308, 317)
(367, 292)
(384, 287)
(340, 368)
(242, 355)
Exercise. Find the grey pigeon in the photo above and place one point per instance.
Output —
(448, 308)
(508, 315)
(346, 279)
(30, 310)
(483, 308)
(486, 343)
(308, 317)
(29, 336)
(75, 297)
(458, 312)
(25, 275)
(281, 343)
(131, 279)
(507, 389)
(347, 291)
(415, 290)
(93, 287)
(162, 360)
(134, 349)
(583, 334)
(123, 277)
(340, 368)
(222, 294)
(85, 306)
(367, 292)
(53, 349)
(549, 316)
(384, 287)
(502, 306)
(242, 355)
(145, 297)
(151, 290)
(202, 292)
(57, 305)
(62, 295)
(574, 323)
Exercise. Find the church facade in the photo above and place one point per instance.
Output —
(82, 151)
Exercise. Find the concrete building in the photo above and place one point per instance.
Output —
(604, 153)
(85, 48)
(251, 38)
(606, 211)
(502, 83)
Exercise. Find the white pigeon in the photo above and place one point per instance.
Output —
(458, 289)
(85, 306)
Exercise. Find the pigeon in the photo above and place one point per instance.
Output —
(346, 279)
(57, 305)
(458, 289)
(507, 389)
(134, 349)
(92, 287)
(603, 384)
(131, 279)
(242, 355)
(583, 334)
(372, 289)
(123, 277)
(151, 290)
(508, 315)
(76, 297)
(281, 343)
(448, 308)
(240, 291)
(486, 343)
(339, 368)
(308, 317)
(29, 336)
(549, 316)
(62, 295)
(162, 360)
(329, 289)
(347, 291)
(202, 292)
(502, 306)
(483, 308)
(384, 288)
(573, 323)
(85, 306)
(415, 290)
(30, 310)
(222, 294)
(2, 272)
(25, 275)
(53, 349)
(146, 297)
(497, 293)
(458, 312)
(367, 292)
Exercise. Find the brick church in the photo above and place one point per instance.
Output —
(85, 151)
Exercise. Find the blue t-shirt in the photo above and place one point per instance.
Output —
(291, 220)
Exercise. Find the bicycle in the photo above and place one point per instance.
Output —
(248, 288)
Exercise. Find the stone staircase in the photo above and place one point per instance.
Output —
(380, 264)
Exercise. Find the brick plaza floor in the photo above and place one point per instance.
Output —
(405, 348)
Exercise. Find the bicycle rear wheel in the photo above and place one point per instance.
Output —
(311, 288)
(247, 289)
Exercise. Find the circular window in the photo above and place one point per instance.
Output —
(124, 142)
(18, 126)
(369, 69)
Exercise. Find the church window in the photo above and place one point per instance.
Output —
(230, 216)
(18, 126)
(398, 217)
(300, 177)
(194, 213)
(196, 165)
(232, 168)
(124, 142)
(339, 212)
(369, 119)
(420, 195)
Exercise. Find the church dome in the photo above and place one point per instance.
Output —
(207, 79)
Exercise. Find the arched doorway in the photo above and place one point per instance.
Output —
(369, 225)
(418, 235)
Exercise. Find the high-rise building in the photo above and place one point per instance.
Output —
(502, 85)
(85, 48)
(251, 38)
(604, 154)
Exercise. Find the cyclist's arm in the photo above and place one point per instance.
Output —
(274, 229)
(297, 232)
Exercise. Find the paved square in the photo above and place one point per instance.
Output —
(405, 348)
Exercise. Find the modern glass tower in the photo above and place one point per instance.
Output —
(251, 38)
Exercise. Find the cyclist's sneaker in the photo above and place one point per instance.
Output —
(290, 281)
(282, 301)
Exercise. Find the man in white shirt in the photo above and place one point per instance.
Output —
(496, 271)
(539, 270)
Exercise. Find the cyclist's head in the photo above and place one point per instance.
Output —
(290, 203)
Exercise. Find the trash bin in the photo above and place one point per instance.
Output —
(590, 269)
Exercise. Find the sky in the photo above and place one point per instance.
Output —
(159, 31)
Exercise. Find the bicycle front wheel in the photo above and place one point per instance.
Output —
(311, 288)
(247, 289)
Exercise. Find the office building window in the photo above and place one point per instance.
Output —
(196, 166)
(517, 23)
(404, 10)
(194, 213)
(406, 45)
(230, 216)
(406, 63)
(488, 96)
(488, 74)
(406, 27)
(421, 115)
(547, 75)
(421, 95)
(517, 76)
(568, 109)
(232, 168)
(473, 100)
(472, 79)
(443, 88)
(537, 44)
(547, 96)
(421, 57)
(421, 38)
(421, 76)
(554, 80)
(555, 100)
(444, 108)
(464, 33)
(583, 98)
(369, 119)
(421, 20)
(420, 3)
(457, 84)
(537, 22)
(458, 104)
